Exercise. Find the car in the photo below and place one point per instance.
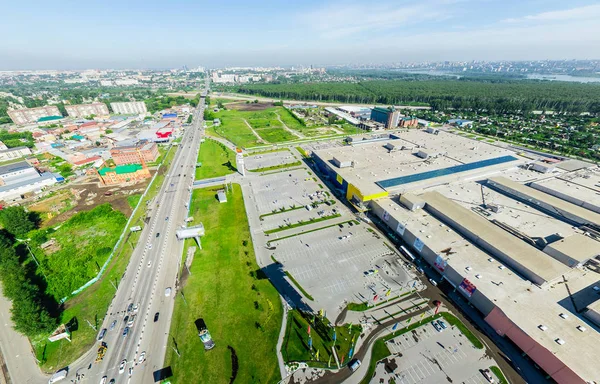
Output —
(149, 246)
(433, 282)
(101, 334)
(204, 335)
(125, 319)
(112, 325)
(103, 380)
(354, 364)
(167, 218)
(420, 270)
(442, 324)
(142, 357)
(129, 307)
(436, 326)
(112, 381)
(130, 371)
(157, 234)
(125, 331)
(122, 366)
(131, 320)
(168, 291)
(136, 307)
(156, 317)
(488, 375)
(149, 263)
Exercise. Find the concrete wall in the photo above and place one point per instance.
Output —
(564, 196)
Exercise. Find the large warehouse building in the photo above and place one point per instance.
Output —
(520, 243)
(82, 110)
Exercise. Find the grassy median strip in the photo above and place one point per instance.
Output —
(265, 151)
(302, 223)
(226, 288)
(297, 284)
(302, 152)
(355, 222)
(276, 167)
(499, 375)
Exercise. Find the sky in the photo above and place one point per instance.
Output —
(70, 34)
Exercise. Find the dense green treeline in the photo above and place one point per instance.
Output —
(159, 103)
(464, 94)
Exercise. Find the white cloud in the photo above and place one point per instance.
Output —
(590, 12)
(341, 20)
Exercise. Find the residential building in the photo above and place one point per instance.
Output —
(129, 108)
(387, 116)
(32, 115)
(14, 153)
(20, 180)
(123, 174)
(144, 151)
(82, 110)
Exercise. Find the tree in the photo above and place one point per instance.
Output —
(16, 221)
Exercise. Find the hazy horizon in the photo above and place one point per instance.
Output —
(153, 35)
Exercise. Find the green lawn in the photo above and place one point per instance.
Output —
(295, 346)
(133, 200)
(240, 308)
(235, 130)
(84, 242)
(92, 304)
(275, 167)
(216, 158)
(275, 135)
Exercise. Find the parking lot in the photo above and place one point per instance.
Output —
(284, 190)
(331, 263)
(427, 356)
(268, 160)
(303, 214)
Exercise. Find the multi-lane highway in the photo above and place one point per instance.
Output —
(151, 271)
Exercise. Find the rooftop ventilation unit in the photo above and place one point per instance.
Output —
(560, 341)
(581, 328)
(543, 327)
(563, 315)
(478, 276)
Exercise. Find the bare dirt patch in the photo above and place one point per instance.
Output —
(250, 106)
(85, 197)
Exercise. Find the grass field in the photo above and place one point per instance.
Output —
(92, 303)
(132, 200)
(240, 308)
(295, 347)
(276, 135)
(216, 158)
(235, 130)
(83, 243)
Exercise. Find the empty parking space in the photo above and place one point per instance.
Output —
(265, 160)
(426, 355)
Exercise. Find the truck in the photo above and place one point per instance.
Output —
(58, 376)
(204, 335)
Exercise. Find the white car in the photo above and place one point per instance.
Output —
(149, 246)
(168, 292)
(103, 380)
(142, 357)
(149, 264)
(122, 366)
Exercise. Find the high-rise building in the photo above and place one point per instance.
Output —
(82, 110)
(129, 108)
(32, 115)
(387, 116)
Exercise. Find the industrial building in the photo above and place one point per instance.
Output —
(14, 153)
(21, 180)
(370, 169)
(521, 245)
(82, 110)
(32, 115)
(129, 108)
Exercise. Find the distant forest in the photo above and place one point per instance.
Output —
(495, 96)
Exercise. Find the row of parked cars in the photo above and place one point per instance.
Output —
(439, 325)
